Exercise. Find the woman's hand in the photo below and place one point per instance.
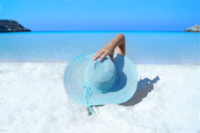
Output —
(116, 45)
(106, 50)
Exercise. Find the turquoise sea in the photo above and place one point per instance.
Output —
(141, 47)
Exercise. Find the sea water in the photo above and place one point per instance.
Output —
(141, 47)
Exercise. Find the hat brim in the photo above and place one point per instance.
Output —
(122, 91)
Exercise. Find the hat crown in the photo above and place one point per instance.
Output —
(100, 75)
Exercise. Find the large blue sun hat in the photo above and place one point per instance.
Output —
(91, 82)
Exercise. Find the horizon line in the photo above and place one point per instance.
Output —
(106, 31)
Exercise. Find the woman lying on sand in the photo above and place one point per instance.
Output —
(107, 80)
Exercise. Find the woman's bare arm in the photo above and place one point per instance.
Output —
(116, 45)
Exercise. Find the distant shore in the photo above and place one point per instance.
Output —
(196, 28)
(11, 26)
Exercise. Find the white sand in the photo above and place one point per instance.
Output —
(33, 100)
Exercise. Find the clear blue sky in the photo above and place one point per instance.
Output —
(136, 15)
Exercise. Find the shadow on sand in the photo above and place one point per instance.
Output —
(144, 87)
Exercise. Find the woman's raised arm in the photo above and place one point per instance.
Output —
(116, 45)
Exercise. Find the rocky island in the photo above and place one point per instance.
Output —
(196, 28)
(11, 26)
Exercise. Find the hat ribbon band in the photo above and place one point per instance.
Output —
(88, 92)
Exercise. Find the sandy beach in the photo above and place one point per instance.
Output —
(33, 100)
